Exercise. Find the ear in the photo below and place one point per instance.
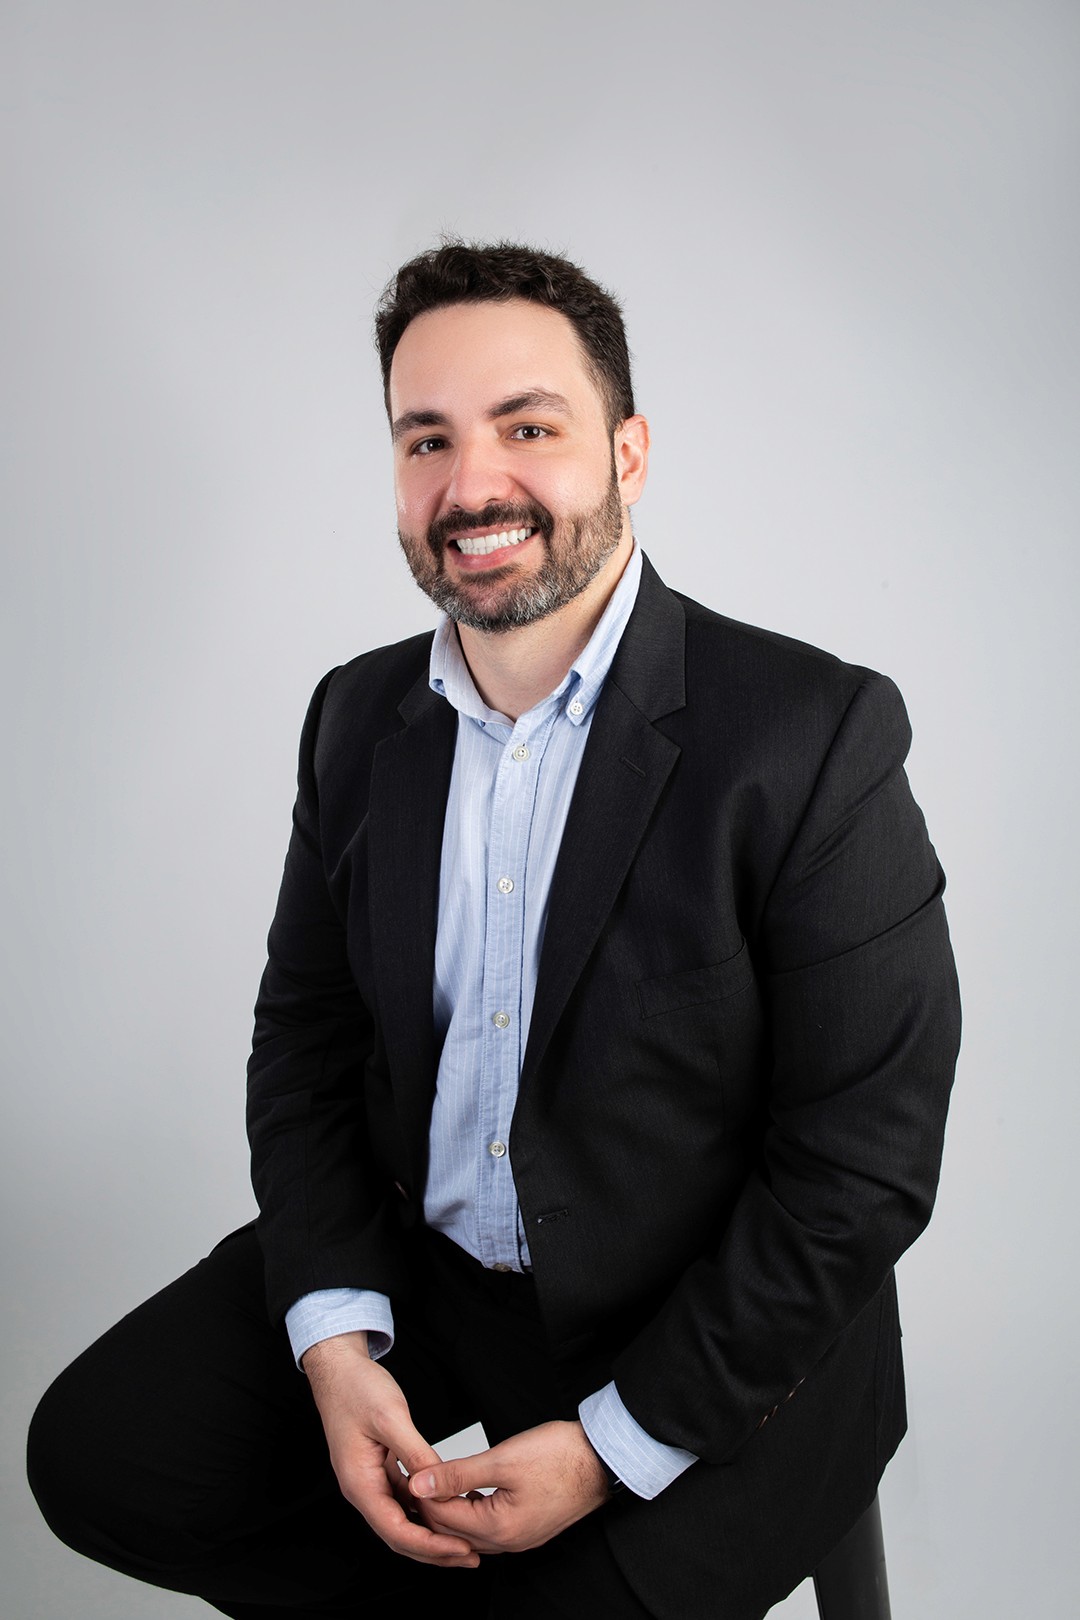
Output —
(631, 451)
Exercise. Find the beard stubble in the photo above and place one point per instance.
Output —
(505, 598)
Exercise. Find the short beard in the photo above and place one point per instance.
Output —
(500, 601)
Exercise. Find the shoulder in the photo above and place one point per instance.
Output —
(773, 687)
(358, 703)
(749, 650)
(372, 685)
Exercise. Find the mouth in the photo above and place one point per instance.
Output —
(484, 545)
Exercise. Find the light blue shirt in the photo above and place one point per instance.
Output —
(510, 793)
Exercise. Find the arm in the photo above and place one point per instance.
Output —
(329, 1227)
(853, 955)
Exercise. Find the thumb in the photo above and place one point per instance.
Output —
(454, 1478)
(409, 1446)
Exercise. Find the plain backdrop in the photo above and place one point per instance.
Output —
(846, 238)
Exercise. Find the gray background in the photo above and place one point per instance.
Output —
(846, 235)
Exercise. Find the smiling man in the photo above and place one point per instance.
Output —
(512, 561)
(600, 1069)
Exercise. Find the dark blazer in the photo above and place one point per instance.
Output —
(733, 1098)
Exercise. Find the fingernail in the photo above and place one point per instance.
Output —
(423, 1484)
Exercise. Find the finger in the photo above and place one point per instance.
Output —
(485, 1531)
(396, 1432)
(416, 1540)
(399, 1486)
(372, 1492)
(444, 1480)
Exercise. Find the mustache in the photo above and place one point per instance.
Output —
(527, 515)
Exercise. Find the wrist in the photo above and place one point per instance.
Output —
(611, 1478)
(606, 1475)
(319, 1355)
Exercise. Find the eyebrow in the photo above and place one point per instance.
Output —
(532, 399)
(408, 421)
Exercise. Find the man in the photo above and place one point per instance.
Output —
(600, 1068)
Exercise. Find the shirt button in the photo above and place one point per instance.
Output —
(500, 1265)
(577, 707)
(505, 885)
(501, 1020)
(496, 1149)
(521, 752)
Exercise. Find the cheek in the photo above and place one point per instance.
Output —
(574, 489)
(413, 503)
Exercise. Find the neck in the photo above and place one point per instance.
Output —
(513, 670)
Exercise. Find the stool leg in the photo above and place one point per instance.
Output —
(851, 1584)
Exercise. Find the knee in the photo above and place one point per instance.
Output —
(86, 1461)
(83, 1460)
(56, 1454)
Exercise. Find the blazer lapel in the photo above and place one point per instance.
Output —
(409, 786)
(627, 762)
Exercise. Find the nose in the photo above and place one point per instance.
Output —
(478, 478)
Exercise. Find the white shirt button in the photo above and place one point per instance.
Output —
(500, 1265)
(521, 752)
(501, 1020)
(505, 885)
(496, 1149)
(577, 707)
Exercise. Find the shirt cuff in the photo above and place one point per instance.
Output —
(645, 1466)
(329, 1311)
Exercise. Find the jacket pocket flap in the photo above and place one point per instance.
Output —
(693, 986)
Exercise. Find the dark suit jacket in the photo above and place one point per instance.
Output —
(732, 1102)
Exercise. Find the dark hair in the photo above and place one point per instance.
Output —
(476, 273)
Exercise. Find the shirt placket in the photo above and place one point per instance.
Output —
(513, 811)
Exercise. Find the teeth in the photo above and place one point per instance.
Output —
(487, 543)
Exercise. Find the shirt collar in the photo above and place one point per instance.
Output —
(576, 694)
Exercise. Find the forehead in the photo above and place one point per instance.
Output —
(478, 353)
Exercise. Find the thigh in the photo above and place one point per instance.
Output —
(572, 1576)
(184, 1448)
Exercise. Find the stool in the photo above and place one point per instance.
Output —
(850, 1584)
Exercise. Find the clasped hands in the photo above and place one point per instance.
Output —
(544, 1479)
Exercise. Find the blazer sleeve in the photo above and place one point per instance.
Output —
(322, 1223)
(863, 1008)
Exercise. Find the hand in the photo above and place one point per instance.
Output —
(368, 1429)
(545, 1479)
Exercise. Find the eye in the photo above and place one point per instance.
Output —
(530, 431)
(424, 447)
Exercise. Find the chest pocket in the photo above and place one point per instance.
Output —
(693, 987)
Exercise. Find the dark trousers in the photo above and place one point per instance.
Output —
(184, 1449)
